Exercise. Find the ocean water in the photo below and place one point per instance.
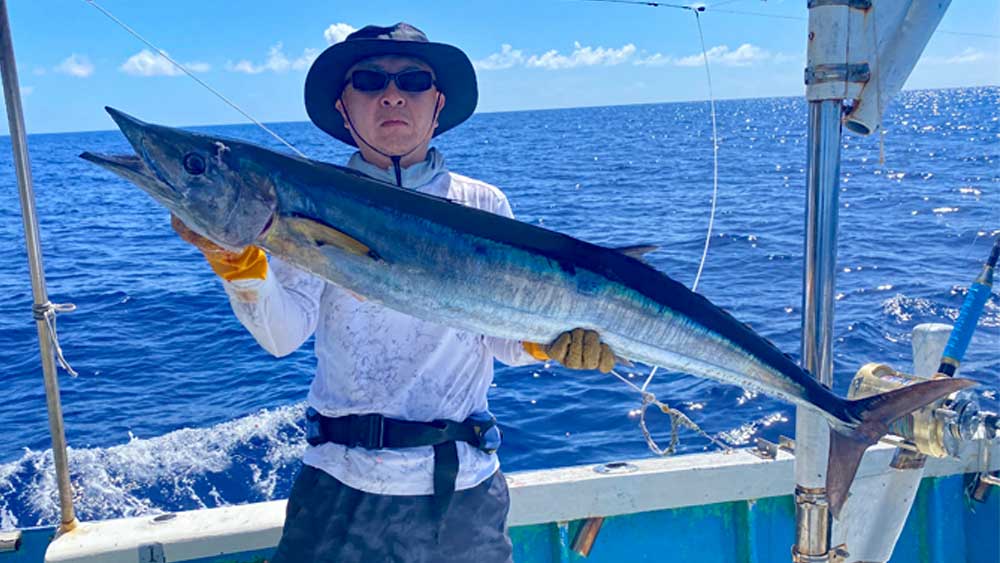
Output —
(176, 407)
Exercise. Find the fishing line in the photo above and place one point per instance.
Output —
(677, 418)
(715, 156)
(195, 78)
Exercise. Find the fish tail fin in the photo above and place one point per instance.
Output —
(867, 421)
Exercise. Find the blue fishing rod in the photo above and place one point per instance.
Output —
(968, 316)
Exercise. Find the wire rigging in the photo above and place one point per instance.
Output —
(713, 8)
(195, 78)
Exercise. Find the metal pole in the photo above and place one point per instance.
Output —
(15, 120)
(811, 431)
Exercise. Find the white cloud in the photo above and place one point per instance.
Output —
(655, 60)
(554, 60)
(39, 71)
(581, 56)
(338, 32)
(969, 55)
(27, 90)
(148, 63)
(276, 62)
(744, 55)
(76, 65)
(506, 58)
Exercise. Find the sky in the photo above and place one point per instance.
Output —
(72, 60)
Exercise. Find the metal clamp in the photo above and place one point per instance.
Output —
(812, 521)
(853, 4)
(787, 444)
(765, 449)
(818, 74)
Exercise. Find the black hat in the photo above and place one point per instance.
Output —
(452, 69)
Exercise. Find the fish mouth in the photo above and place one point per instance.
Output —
(127, 165)
(131, 167)
(135, 169)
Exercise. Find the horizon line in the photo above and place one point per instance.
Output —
(525, 110)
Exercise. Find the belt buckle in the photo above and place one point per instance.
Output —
(368, 431)
(487, 432)
(314, 430)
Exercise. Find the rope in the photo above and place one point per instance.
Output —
(47, 312)
(677, 419)
(193, 77)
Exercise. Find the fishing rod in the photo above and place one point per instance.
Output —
(969, 314)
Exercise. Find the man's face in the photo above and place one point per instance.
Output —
(392, 120)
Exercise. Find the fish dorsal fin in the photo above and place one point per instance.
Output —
(324, 235)
(637, 251)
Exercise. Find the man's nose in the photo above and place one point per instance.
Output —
(392, 96)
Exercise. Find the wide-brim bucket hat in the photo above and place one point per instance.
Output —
(453, 71)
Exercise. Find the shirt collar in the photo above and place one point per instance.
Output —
(414, 176)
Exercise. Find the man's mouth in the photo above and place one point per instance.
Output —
(394, 123)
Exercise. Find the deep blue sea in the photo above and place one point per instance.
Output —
(176, 407)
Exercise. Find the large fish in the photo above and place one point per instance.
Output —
(443, 262)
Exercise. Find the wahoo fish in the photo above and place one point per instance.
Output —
(458, 266)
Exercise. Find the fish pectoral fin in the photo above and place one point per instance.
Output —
(637, 251)
(322, 234)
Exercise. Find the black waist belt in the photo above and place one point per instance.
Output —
(375, 432)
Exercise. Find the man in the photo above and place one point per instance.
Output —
(401, 463)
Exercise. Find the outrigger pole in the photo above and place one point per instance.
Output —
(42, 309)
(861, 57)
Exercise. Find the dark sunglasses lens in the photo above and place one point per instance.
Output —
(368, 80)
(415, 81)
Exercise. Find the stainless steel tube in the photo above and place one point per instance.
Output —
(823, 190)
(811, 431)
(15, 120)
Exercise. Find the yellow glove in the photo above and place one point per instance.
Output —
(250, 264)
(575, 349)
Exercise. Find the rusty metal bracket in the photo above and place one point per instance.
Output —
(765, 449)
(787, 444)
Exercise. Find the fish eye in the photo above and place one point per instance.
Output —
(194, 164)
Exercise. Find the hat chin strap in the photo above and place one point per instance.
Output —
(397, 157)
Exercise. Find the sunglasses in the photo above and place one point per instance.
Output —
(406, 81)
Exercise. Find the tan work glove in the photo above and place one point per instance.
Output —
(575, 349)
(250, 264)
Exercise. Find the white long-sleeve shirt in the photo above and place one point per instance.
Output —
(371, 359)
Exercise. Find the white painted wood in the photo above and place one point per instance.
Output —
(929, 340)
(550, 495)
(189, 535)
